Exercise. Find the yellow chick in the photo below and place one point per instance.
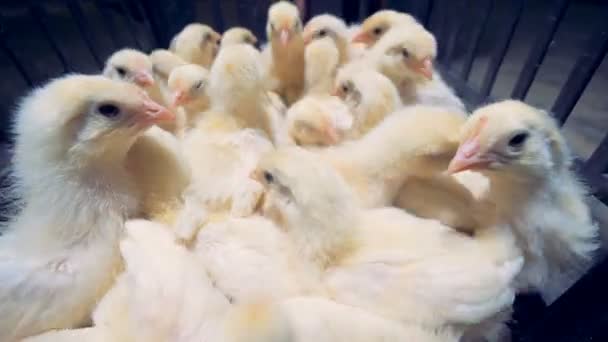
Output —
(318, 121)
(376, 25)
(188, 86)
(130, 65)
(427, 273)
(286, 46)
(370, 96)
(59, 255)
(163, 62)
(522, 152)
(197, 44)
(321, 58)
(135, 67)
(238, 35)
(334, 28)
(406, 57)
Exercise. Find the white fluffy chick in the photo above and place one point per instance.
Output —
(59, 255)
(196, 43)
(522, 152)
(161, 274)
(286, 46)
(322, 60)
(318, 121)
(384, 260)
(370, 96)
(376, 25)
(238, 35)
(406, 57)
(415, 141)
(316, 208)
(188, 85)
(334, 28)
(130, 65)
(135, 67)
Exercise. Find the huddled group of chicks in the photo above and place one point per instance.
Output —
(330, 187)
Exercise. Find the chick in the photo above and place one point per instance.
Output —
(322, 58)
(376, 25)
(238, 35)
(197, 44)
(384, 260)
(136, 67)
(406, 57)
(188, 86)
(286, 50)
(57, 260)
(130, 65)
(329, 26)
(417, 141)
(522, 152)
(370, 96)
(318, 121)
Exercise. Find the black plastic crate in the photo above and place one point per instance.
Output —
(547, 52)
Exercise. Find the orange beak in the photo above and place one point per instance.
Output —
(179, 98)
(362, 37)
(331, 133)
(469, 155)
(337, 92)
(143, 79)
(284, 36)
(424, 67)
(307, 38)
(153, 113)
(256, 175)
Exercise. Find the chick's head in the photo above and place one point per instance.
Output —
(188, 83)
(164, 61)
(406, 54)
(236, 73)
(511, 138)
(197, 43)
(284, 23)
(318, 121)
(131, 66)
(238, 35)
(323, 26)
(301, 189)
(375, 26)
(85, 116)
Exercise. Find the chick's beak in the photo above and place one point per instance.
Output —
(153, 113)
(284, 36)
(336, 92)
(179, 98)
(424, 67)
(469, 156)
(143, 79)
(362, 37)
(256, 175)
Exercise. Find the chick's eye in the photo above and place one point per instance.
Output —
(518, 140)
(345, 88)
(108, 110)
(268, 177)
(198, 85)
(121, 71)
(377, 31)
(405, 53)
(322, 33)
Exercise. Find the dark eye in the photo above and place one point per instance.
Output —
(268, 177)
(377, 31)
(121, 71)
(322, 33)
(345, 88)
(518, 140)
(108, 110)
(405, 53)
(198, 84)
